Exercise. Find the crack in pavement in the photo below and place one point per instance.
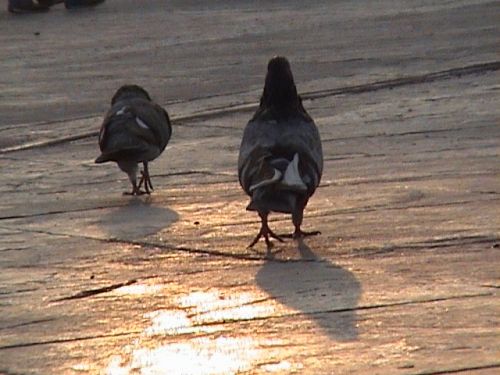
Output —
(479, 68)
(421, 177)
(171, 185)
(403, 81)
(106, 289)
(404, 134)
(57, 212)
(167, 175)
(29, 323)
(93, 292)
(458, 370)
(260, 318)
(345, 309)
(490, 286)
(322, 214)
(434, 244)
(375, 207)
(64, 341)
(354, 252)
(163, 246)
(17, 291)
(4, 371)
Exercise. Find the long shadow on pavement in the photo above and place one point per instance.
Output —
(317, 288)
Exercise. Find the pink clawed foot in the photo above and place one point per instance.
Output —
(266, 232)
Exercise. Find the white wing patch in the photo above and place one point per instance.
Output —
(121, 111)
(141, 123)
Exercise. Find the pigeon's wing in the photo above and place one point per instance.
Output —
(156, 119)
(122, 121)
(303, 137)
(103, 132)
(256, 144)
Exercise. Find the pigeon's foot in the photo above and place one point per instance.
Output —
(136, 193)
(136, 190)
(266, 232)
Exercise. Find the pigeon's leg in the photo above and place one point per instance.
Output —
(265, 232)
(131, 170)
(147, 179)
(297, 217)
(148, 185)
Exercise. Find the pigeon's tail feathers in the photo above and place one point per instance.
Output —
(278, 173)
(103, 158)
(265, 199)
(125, 137)
(276, 185)
(125, 153)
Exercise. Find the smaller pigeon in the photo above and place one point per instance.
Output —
(281, 160)
(135, 130)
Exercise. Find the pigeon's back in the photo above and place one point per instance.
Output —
(134, 129)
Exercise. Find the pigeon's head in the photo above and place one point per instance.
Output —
(279, 90)
(279, 67)
(128, 92)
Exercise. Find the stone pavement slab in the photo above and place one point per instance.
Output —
(402, 280)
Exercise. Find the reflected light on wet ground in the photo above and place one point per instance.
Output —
(199, 313)
(213, 306)
(204, 356)
(139, 289)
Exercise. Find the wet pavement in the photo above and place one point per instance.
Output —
(403, 278)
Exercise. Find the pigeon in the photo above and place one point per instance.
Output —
(281, 159)
(135, 130)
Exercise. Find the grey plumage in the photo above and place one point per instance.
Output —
(135, 130)
(281, 161)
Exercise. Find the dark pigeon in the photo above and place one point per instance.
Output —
(135, 130)
(281, 160)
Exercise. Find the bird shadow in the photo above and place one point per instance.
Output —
(138, 219)
(317, 288)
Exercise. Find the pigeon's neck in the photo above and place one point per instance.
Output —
(127, 96)
(130, 95)
(280, 95)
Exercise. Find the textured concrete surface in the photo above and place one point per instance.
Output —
(404, 278)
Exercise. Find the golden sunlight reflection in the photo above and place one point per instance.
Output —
(208, 307)
(139, 289)
(215, 353)
(201, 301)
(203, 356)
(284, 367)
(171, 322)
